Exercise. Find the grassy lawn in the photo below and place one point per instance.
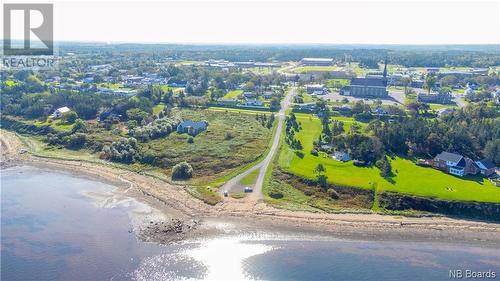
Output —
(250, 178)
(436, 106)
(305, 69)
(337, 83)
(358, 71)
(55, 124)
(157, 108)
(213, 154)
(409, 178)
(233, 94)
(238, 110)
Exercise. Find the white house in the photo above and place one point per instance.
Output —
(57, 113)
(341, 156)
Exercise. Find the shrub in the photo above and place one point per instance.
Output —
(228, 135)
(79, 126)
(190, 140)
(332, 193)
(308, 192)
(384, 166)
(69, 117)
(124, 150)
(275, 194)
(182, 171)
(76, 140)
(158, 128)
(314, 152)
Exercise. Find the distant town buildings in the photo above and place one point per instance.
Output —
(440, 97)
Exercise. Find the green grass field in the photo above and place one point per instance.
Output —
(436, 106)
(250, 178)
(238, 110)
(157, 108)
(358, 71)
(306, 69)
(409, 178)
(233, 94)
(337, 83)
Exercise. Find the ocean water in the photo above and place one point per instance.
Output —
(56, 226)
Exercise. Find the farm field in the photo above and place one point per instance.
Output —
(409, 178)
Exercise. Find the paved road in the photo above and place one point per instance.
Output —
(458, 99)
(233, 184)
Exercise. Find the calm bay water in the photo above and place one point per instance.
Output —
(55, 226)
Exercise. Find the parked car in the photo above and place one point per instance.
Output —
(248, 189)
(226, 194)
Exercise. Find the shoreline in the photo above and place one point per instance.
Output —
(254, 215)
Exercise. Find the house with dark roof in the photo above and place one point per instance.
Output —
(455, 164)
(191, 127)
(249, 95)
(440, 97)
(486, 167)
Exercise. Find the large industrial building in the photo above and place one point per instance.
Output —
(317, 61)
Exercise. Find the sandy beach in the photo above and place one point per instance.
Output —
(251, 214)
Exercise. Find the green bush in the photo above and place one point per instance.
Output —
(275, 194)
(182, 171)
(332, 193)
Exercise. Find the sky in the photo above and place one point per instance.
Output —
(269, 22)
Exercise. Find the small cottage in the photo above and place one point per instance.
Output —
(58, 112)
(191, 127)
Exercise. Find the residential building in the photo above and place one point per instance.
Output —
(230, 102)
(341, 156)
(191, 127)
(58, 112)
(316, 89)
(310, 107)
(455, 164)
(253, 102)
(445, 111)
(379, 111)
(486, 167)
(268, 94)
(440, 97)
(417, 84)
(344, 110)
(250, 95)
